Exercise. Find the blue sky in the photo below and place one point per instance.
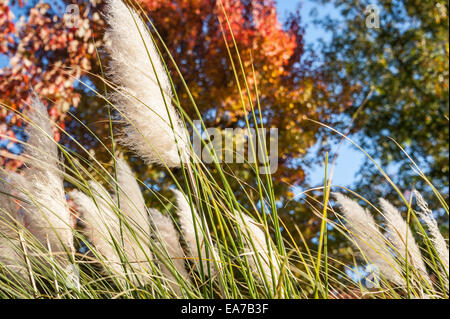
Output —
(313, 33)
(3, 60)
(349, 159)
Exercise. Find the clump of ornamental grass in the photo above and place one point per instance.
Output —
(395, 255)
(36, 223)
(369, 240)
(201, 241)
(259, 254)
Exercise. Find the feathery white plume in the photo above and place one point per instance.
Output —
(130, 196)
(101, 223)
(368, 239)
(255, 243)
(400, 235)
(46, 215)
(169, 248)
(436, 237)
(137, 227)
(103, 230)
(188, 229)
(136, 67)
(11, 254)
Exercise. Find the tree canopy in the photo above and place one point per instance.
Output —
(58, 61)
(401, 68)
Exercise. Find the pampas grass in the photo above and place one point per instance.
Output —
(11, 255)
(436, 237)
(170, 251)
(153, 128)
(204, 247)
(129, 196)
(196, 235)
(101, 224)
(256, 246)
(396, 253)
(136, 231)
(369, 240)
(121, 240)
(402, 238)
(43, 204)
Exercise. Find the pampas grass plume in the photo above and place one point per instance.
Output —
(190, 222)
(255, 243)
(11, 222)
(436, 237)
(134, 213)
(101, 224)
(46, 214)
(170, 248)
(144, 91)
(368, 239)
(402, 238)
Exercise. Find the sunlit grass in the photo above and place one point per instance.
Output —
(244, 266)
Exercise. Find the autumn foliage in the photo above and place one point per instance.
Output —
(48, 56)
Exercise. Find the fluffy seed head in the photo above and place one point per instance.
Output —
(130, 200)
(192, 229)
(103, 228)
(256, 244)
(101, 224)
(11, 254)
(136, 224)
(436, 237)
(153, 127)
(368, 239)
(46, 214)
(402, 238)
(170, 251)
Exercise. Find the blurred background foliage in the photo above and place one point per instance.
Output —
(402, 70)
